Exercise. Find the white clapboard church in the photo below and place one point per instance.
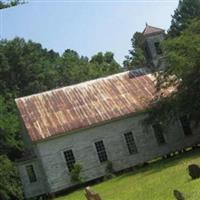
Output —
(94, 122)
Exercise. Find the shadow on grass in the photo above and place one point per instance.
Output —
(162, 164)
(151, 168)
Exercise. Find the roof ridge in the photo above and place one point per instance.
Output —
(153, 29)
(74, 85)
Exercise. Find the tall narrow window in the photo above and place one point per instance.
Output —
(186, 125)
(70, 159)
(158, 49)
(31, 173)
(101, 151)
(158, 131)
(130, 142)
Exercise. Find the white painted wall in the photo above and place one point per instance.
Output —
(50, 152)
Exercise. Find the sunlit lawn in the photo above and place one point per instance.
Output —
(154, 182)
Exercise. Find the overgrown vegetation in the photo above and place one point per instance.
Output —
(181, 52)
(76, 173)
(183, 63)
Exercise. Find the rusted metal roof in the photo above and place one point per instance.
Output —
(150, 30)
(79, 106)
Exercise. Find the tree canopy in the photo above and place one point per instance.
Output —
(10, 3)
(136, 57)
(186, 11)
(26, 68)
(183, 63)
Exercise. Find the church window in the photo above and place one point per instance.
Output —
(186, 125)
(130, 142)
(31, 173)
(158, 48)
(70, 159)
(101, 151)
(158, 131)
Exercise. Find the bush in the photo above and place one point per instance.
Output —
(109, 171)
(75, 173)
(194, 171)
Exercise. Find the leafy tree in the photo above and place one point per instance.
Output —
(10, 3)
(105, 64)
(136, 59)
(26, 68)
(10, 142)
(183, 72)
(73, 68)
(186, 11)
(10, 148)
(10, 187)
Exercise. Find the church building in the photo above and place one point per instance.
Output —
(94, 122)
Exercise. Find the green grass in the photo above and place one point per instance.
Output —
(153, 182)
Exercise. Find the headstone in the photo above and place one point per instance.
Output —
(91, 195)
(178, 195)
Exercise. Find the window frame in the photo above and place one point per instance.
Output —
(130, 145)
(161, 140)
(158, 48)
(187, 130)
(31, 174)
(69, 162)
(102, 152)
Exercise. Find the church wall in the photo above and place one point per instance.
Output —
(112, 134)
(36, 188)
(150, 41)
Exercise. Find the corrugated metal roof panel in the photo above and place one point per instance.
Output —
(82, 105)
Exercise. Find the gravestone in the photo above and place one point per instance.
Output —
(91, 195)
(178, 195)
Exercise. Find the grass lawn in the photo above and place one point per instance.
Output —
(153, 182)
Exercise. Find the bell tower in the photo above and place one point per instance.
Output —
(152, 38)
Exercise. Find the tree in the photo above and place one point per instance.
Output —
(73, 68)
(26, 68)
(10, 3)
(105, 64)
(10, 187)
(136, 59)
(10, 142)
(10, 149)
(186, 11)
(183, 64)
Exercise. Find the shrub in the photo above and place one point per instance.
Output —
(75, 173)
(194, 171)
(109, 167)
(109, 170)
